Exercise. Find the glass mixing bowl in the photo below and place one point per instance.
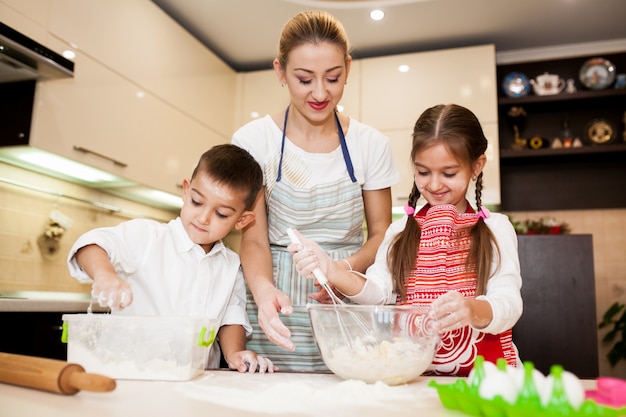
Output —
(388, 343)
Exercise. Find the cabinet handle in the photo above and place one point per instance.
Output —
(108, 158)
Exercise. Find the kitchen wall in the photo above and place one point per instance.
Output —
(24, 215)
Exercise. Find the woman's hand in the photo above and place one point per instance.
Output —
(452, 311)
(270, 302)
(109, 290)
(248, 361)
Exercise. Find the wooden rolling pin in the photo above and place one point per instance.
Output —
(50, 375)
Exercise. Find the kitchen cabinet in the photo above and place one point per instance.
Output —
(558, 325)
(146, 118)
(26, 16)
(139, 42)
(259, 93)
(33, 334)
(563, 178)
(102, 112)
(392, 101)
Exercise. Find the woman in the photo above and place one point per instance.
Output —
(323, 173)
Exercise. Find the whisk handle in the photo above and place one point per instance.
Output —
(317, 273)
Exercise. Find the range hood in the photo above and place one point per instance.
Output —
(21, 59)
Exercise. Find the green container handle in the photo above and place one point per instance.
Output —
(209, 342)
(64, 334)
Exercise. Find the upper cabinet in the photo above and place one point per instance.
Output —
(392, 100)
(146, 100)
(137, 40)
(118, 127)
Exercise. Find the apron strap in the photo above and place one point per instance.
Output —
(342, 142)
(282, 147)
(344, 149)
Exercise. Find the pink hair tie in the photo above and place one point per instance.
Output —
(483, 213)
(409, 210)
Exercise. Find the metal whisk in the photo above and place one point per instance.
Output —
(367, 336)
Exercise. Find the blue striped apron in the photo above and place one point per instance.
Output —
(331, 214)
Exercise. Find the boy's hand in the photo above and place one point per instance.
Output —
(248, 361)
(111, 291)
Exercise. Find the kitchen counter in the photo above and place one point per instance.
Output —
(46, 301)
(229, 393)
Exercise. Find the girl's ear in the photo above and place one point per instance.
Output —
(479, 165)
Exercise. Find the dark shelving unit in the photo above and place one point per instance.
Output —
(590, 177)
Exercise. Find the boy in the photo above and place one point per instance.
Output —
(182, 268)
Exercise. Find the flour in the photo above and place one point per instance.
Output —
(111, 365)
(305, 394)
(395, 362)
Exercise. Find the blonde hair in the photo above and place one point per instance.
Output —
(314, 26)
(459, 130)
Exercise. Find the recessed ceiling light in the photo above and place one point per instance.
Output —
(403, 68)
(69, 54)
(377, 14)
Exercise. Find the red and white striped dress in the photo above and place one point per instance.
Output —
(440, 267)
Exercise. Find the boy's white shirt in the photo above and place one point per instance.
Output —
(169, 274)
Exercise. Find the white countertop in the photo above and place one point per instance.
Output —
(228, 393)
(45, 301)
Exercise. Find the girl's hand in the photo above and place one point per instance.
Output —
(248, 361)
(451, 311)
(111, 291)
(308, 255)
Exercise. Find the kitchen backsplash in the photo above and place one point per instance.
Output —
(25, 216)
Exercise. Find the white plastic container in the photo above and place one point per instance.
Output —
(134, 347)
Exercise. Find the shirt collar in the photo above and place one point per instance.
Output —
(185, 244)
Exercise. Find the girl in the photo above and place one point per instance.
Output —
(323, 174)
(462, 262)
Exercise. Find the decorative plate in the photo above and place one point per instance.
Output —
(597, 73)
(516, 84)
(599, 131)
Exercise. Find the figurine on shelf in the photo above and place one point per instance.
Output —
(516, 116)
(571, 86)
(566, 133)
(538, 142)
